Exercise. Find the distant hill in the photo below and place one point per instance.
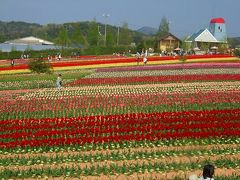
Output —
(148, 30)
(13, 30)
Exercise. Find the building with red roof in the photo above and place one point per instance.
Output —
(214, 36)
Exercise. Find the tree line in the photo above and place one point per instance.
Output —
(74, 34)
(84, 35)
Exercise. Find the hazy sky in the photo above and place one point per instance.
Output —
(185, 16)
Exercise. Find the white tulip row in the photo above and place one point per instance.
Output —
(17, 84)
(133, 89)
(26, 84)
(164, 72)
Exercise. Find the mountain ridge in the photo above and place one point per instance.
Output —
(147, 30)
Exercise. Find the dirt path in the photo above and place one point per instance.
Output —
(164, 176)
(150, 175)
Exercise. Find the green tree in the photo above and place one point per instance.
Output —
(13, 53)
(125, 36)
(140, 46)
(93, 34)
(63, 38)
(163, 29)
(186, 46)
(111, 39)
(150, 42)
(78, 39)
(2, 38)
(237, 52)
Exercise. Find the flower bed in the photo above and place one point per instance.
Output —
(125, 124)
(172, 67)
(155, 79)
(140, 73)
(115, 128)
(96, 61)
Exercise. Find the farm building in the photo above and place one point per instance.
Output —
(213, 37)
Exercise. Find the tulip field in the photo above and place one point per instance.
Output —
(131, 122)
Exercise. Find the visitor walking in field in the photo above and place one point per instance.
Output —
(138, 57)
(12, 62)
(59, 81)
(145, 58)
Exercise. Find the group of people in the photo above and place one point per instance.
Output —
(144, 55)
(58, 57)
(24, 56)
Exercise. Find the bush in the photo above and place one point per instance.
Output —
(39, 66)
(237, 52)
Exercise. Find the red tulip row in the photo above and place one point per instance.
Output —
(154, 79)
(110, 120)
(115, 128)
(118, 101)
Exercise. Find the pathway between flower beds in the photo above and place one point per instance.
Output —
(181, 156)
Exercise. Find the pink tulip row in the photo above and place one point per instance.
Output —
(119, 101)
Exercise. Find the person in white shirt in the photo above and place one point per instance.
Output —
(145, 57)
(59, 81)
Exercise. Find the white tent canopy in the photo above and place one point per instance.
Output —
(206, 36)
(29, 41)
(214, 47)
